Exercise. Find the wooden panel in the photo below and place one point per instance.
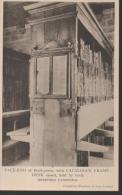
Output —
(37, 144)
(51, 132)
(37, 33)
(38, 106)
(43, 64)
(49, 147)
(60, 31)
(15, 81)
(60, 75)
(54, 31)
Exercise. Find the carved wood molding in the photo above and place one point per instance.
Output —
(40, 8)
(67, 108)
(38, 107)
(52, 18)
(50, 51)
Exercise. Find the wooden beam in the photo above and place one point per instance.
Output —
(36, 5)
(107, 133)
(40, 8)
(52, 18)
(86, 146)
(15, 113)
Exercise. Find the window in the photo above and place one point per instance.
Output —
(52, 75)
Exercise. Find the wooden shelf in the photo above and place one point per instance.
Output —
(86, 146)
(95, 115)
(22, 135)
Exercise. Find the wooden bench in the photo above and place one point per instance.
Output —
(17, 146)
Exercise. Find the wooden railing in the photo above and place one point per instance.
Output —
(14, 113)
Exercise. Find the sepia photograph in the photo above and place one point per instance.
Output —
(58, 84)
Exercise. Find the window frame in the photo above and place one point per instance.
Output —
(51, 54)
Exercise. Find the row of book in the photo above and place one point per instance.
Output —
(94, 84)
(99, 139)
(89, 55)
(82, 158)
